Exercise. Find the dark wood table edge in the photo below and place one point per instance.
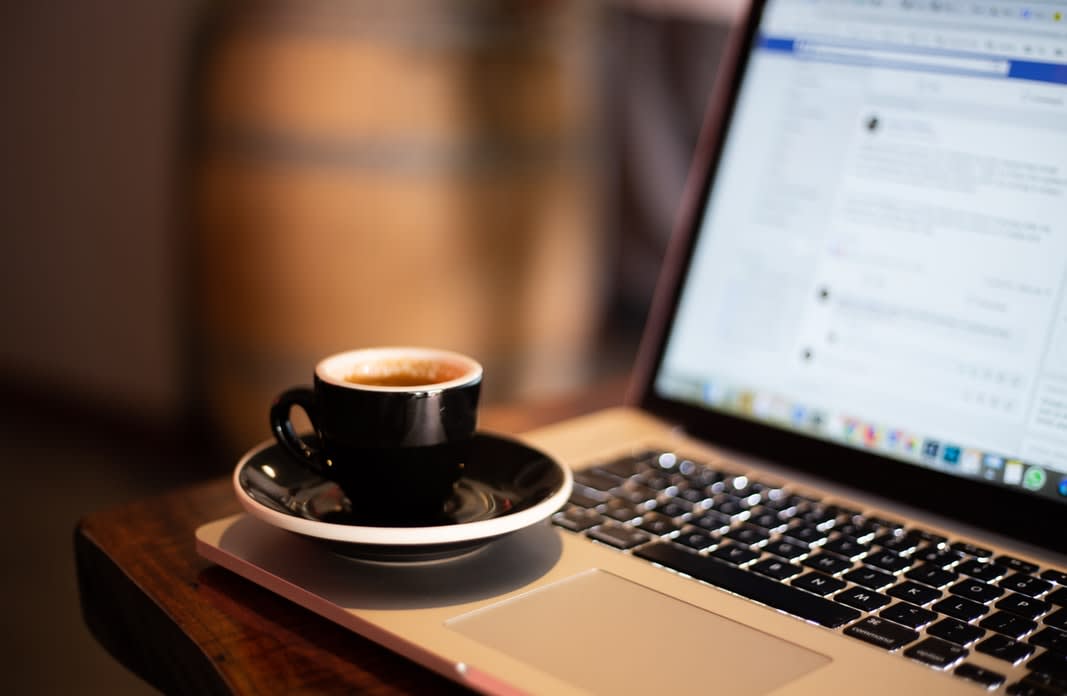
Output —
(114, 607)
(138, 578)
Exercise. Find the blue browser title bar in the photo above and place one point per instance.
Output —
(916, 59)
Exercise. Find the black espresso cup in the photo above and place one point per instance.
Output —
(393, 427)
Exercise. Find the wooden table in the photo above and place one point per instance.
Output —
(187, 626)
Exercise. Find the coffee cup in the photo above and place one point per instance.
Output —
(392, 426)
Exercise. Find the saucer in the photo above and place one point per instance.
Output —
(506, 486)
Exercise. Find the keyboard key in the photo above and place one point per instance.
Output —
(696, 540)
(1017, 564)
(936, 653)
(775, 493)
(639, 460)
(729, 505)
(692, 495)
(929, 537)
(1023, 606)
(955, 631)
(1046, 684)
(657, 458)
(818, 515)
(702, 477)
(795, 503)
(1058, 597)
(1051, 638)
(858, 529)
(908, 615)
(971, 550)
(622, 512)
(806, 500)
(675, 508)
(745, 489)
(887, 560)
(898, 543)
(931, 575)
(635, 493)
(755, 587)
(1004, 648)
(886, 525)
(976, 590)
(776, 568)
(846, 546)
(1026, 584)
(827, 563)
(658, 481)
(787, 505)
(1051, 663)
(914, 592)
(664, 461)
(658, 525)
(617, 535)
(577, 519)
(1056, 576)
(583, 496)
(711, 521)
(819, 584)
(765, 518)
(884, 634)
(805, 534)
(942, 558)
(785, 549)
(862, 598)
(1057, 619)
(987, 572)
(749, 535)
(986, 677)
(1007, 624)
(597, 479)
(1038, 684)
(735, 554)
(961, 608)
(870, 578)
(845, 513)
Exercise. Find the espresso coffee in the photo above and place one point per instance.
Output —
(406, 373)
(392, 427)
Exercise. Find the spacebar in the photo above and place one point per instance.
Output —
(756, 587)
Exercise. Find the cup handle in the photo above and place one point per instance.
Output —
(281, 425)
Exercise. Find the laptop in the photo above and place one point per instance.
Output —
(842, 466)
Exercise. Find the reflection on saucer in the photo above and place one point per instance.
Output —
(506, 486)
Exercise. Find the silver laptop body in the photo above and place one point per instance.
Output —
(843, 463)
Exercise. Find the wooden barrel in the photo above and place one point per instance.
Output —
(409, 172)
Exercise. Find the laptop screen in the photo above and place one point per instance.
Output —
(881, 260)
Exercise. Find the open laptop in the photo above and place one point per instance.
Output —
(843, 468)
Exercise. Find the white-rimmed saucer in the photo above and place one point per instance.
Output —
(506, 486)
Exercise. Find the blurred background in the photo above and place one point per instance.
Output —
(202, 198)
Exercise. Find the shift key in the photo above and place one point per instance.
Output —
(756, 587)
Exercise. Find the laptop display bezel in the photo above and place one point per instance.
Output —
(1001, 510)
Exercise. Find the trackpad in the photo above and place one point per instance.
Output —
(607, 634)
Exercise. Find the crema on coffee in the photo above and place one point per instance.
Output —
(405, 373)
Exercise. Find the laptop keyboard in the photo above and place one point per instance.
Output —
(898, 587)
